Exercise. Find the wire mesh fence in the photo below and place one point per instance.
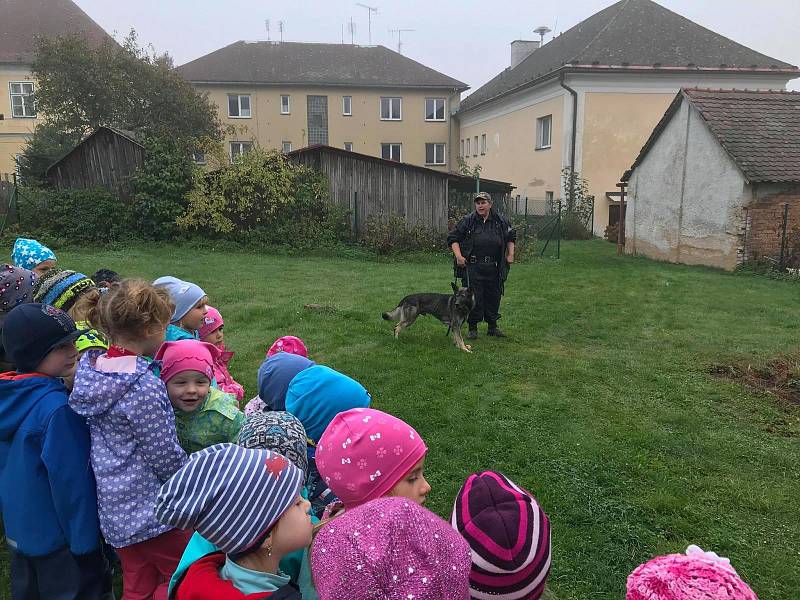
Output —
(772, 236)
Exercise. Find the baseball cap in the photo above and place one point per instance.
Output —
(482, 196)
(32, 330)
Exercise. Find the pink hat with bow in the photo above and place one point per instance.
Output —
(364, 453)
(187, 355)
(290, 344)
(211, 322)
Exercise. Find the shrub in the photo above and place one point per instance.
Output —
(611, 233)
(573, 227)
(387, 235)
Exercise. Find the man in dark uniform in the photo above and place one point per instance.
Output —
(483, 247)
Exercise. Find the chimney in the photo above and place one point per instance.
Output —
(522, 49)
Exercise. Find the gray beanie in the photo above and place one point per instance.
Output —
(184, 295)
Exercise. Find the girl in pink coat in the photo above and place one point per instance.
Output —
(211, 331)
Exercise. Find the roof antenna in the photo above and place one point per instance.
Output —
(351, 27)
(399, 33)
(280, 28)
(542, 31)
(370, 10)
(266, 24)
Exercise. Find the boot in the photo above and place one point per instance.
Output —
(495, 331)
(472, 334)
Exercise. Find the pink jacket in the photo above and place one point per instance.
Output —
(224, 380)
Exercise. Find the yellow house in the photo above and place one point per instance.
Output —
(590, 98)
(21, 21)
(369, 99)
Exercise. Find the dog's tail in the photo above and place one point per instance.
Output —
(393, 315)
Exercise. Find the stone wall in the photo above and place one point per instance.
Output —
(764, 224)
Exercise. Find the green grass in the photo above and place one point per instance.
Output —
(599, 402)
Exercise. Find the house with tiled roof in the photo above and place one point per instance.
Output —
(21, 23)
(368, 99)
(591, 96)
(717, 182)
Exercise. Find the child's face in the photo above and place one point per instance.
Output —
(194, 318)
(293, 530)
(43, 267)
(60, 362)
(215, 337)
(413, 486)
(187, 390)
(153, 340)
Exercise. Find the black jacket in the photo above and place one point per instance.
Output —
(462, 233)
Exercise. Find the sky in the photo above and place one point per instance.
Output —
(465, 39)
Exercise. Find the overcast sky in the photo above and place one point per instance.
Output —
(466, 39)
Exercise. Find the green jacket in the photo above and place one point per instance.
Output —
(217, 421)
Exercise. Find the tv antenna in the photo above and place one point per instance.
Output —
(266, 24)
(400, 33)
(280, 28)
(542, 31)
(370, 10)
(351, 27)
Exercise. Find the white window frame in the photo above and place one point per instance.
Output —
(468, 142)
(391, 145)
(436, 146)
(348, 146)
(462, 148)
(544, 125)
(483, 144)
(239, 106)
(23, 95)
(347, 106)
(286, 107)
(392, 116)
(241, 151)
(444, 109)
(284, 145)
(475, 143)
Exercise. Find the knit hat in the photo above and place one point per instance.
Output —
(28, 253)
(211, 322)
(184, 295)
(317, 394)
(16, 286)
(277, 431)
(32, 330)
(274, 376)
(392, 549)
(230, 495)
(106, 275)
(364, 453)
(290, 344)
(187, 355)
(689, 576)
(91, 339)
(61, 288)
(509, 535)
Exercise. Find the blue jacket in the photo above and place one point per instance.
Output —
(46, 484)
(175, 334)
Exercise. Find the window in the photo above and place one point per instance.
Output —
(199, 157)
(467, 154)
(240, 148)
(347, 106)
(392, 152)
(391, 109)
(475, 147)
(434, 154)
(434, 109)
(348, 146)
(239, 106)
(22, 104)
(483, 144)
(544, 132)
(286, 147)
(285, 105)
(549, 202)
(462, 148)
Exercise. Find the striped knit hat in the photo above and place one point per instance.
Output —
(61, 288)
(509, 535)
(230, 495)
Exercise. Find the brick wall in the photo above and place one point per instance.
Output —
(764, 226)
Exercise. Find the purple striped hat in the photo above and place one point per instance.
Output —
(509, 535)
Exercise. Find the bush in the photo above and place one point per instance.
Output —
(388, 235)
(573, 227)
(612, 232)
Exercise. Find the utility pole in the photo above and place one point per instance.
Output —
(370, 10)
(280, 28)
(399, 33)
(266, 24)
(352, 28)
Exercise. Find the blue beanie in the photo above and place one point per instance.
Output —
(274, 376)
(184, 295)
(319, 393)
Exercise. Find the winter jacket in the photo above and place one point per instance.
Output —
(46, 484)
(224, 380)
(135, 447)
(175, 333)
(217, 421)
(462, 233)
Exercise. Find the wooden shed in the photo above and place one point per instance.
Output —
(372, 187)
(106, 158)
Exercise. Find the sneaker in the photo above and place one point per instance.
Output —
(472, 334)
(496, 332)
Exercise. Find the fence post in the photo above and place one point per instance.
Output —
(783, 235)
(591, 221)
(355, 215)
(558, 239)
(526, 217)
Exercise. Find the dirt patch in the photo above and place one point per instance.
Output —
(779, 375)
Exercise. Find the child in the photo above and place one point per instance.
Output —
(30, 254)
(689, 576)
(48, 491)
(509, 535)
(190, 306)
(105, 277)
(274, 376)
(211, 331)
(204, 416)
(16, 287)
(248, 504)
(391, 549)
(134, 448)
(365, 454)
(290, 344)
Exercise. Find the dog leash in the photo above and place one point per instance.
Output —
(455, 287)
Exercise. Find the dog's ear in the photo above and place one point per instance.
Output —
(454, 286)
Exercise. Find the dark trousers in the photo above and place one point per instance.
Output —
(485, 282)
(60, 576)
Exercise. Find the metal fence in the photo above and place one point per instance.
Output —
(8, 199)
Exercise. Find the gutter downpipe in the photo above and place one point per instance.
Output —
(574, 137)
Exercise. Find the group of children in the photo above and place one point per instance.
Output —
(123, 437)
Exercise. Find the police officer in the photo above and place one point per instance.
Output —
(483, 248)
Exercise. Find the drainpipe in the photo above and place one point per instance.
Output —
(574, 136)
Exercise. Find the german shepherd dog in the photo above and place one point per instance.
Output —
(451, 310)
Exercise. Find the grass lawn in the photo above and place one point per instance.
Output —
(599, 402)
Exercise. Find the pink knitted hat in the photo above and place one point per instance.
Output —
(696, 575)
(392, 549)
(211, 322)
(290, 344)
(364, 453)
(187, 355)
